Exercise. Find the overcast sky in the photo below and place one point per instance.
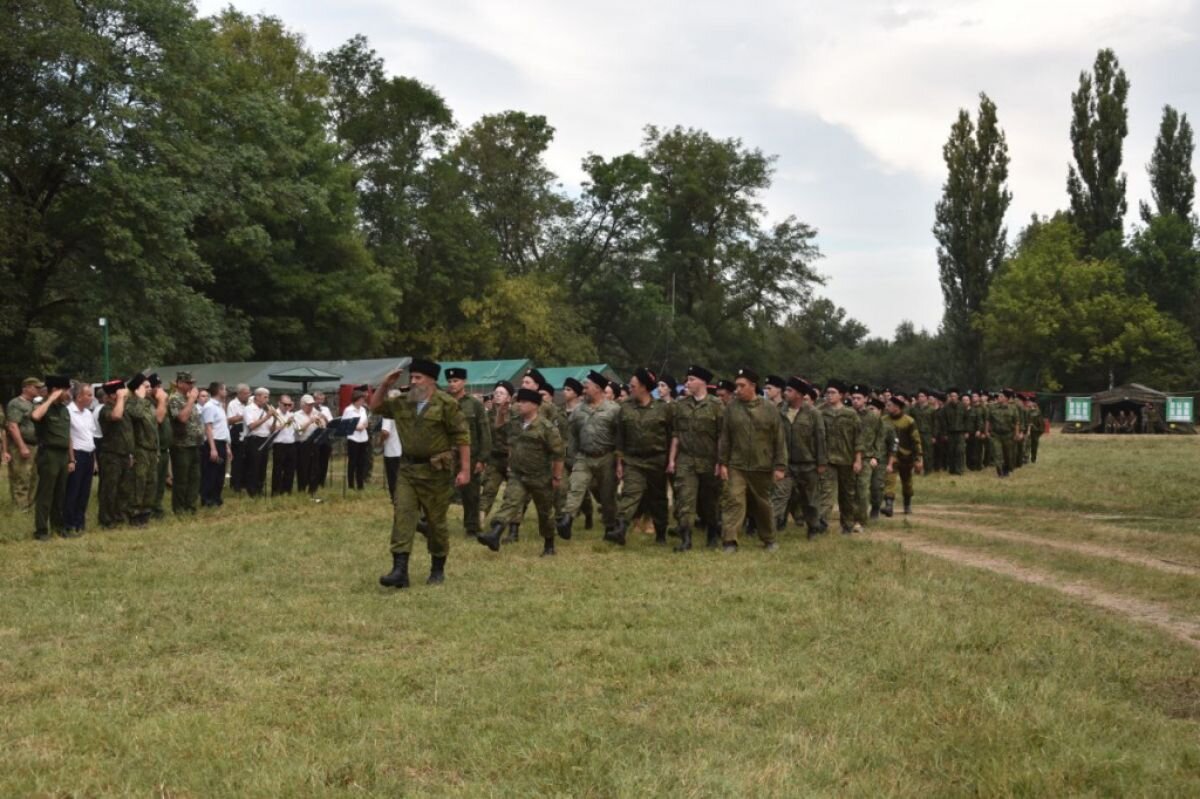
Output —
(855, 98)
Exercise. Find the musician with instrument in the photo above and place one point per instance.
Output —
(283, 448)
(259, 417)
(310, 425)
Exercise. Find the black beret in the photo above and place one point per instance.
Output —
(597, 379)
(700, 372)
(423, 366)
(57, 381)
(507, 386)
(953, 391)
(1008, 392)
(154, 380)
(877, 402)
(798, 384)
(670, 381)
(573, 384)
(528, 395)
(621, 388)
(135, 382)
(536, 376)
(645, 377)
(113, 386)
(455, 373)
(748, 374)
(726, 385)
(898, 401)
(814, 392)
(834, 383)
(777, 381)
(859, 388)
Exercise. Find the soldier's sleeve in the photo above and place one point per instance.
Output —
(781, 453)
(918, 447)
(723, 442)
(485, 433)
(457, 429)
(859, 443)
(620, 434)
(819, 446)
(554, 443)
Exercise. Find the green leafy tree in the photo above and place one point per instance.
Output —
(524, 316)
(1066, 321)
(1099, 125)
(970, 231)
(1172, 181)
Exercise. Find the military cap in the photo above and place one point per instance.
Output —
(859, 388)
(877, 402)
(902, 395)
(898, 400)
(700, 372)
(113, 386)
(670, 381)
(423, 366)
(529, 395)
(154, 380)
(456, 373)
(836, 384)
(621, 388)
(545, 386)
(747, 373)
(535, 375)
(134, 382)
(798, 384)
(597, 379)
(32, 381)
(645, 377)
(507, 386)
(777, 381)
(725, 385)
(953, 391)
(57, 381)
(1008, 392)
(573, 384)
(184, 377)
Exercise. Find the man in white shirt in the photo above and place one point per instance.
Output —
(259, 418)
(325, 447)
(84, 432)
(215, 451)
(283, 451)
(391, 448)
(234, 413)
(309, 423)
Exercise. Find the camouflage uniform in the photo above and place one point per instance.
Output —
(22, 472)
(804, 429)
(496, 470)
(955, 419)
(697, 487)
(873, 447)
(186, 438)
(140, 411)
(593, 441)
(752, 447)
(481, 448)
(1003, 421)
(922, 416)
(643, 440)
(53, 456)
(906, 449)
(116, 467)
(843, 440)
(533, 449)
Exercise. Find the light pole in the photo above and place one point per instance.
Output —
(104, 327)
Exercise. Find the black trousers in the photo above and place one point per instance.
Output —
(79, 490)
(283, 468)
(307, 462)
(356, 463)
(324, 452)
(237, 460)
(212, 475)
(391, 466)
(255, 476)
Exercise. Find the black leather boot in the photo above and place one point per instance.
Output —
(714, 536)
(889, 506)
(660, 534)
(437, 571)
(514, 533)
(492, 539)
(564, 526)
(587, 519)
(617, 534)
(547, 548)
(685, 538)
(781, 523)
(398, 576)
(874, 511)
(907, 505)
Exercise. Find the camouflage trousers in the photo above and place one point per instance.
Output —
(747, 493)
(517, 494)
(645, 487)
(22, 477)
(956, 453)
(494, 475)
(781, 497)
(1004, 452)
(840, 482)
(421, 490)
(697, 492)
(116, 488)
(806, 494)
(160, 481)
(51, 490)
(596, 475)
(145, 480)
(185, 478)
(470, 494)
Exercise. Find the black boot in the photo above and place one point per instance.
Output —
(437, 571)
(617, 534)
(492, 539)
(564, 526)
(587, 519)
(514, 533)
(874, 511)
(548, 548)
(685, 538)
(398, 576)
(660, 534)
(781, 523)
(907, 505)
(714, 537)
(889, 506)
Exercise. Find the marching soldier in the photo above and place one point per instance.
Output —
(481, 445)
(644, 429)
(430, 424)
(693, 459)
(906, 456)
(955, 421)
(872, 443)
(23, 443)
(1037, 424)
(535, 469)
(55, 459)
(752, 456)
(496, 471)
(879, 455)
(1002, 425)
(116, 456)
(843, 440)
(781, 492)
(804, 429)
(922, 413)
(592, 436)
(573, 393)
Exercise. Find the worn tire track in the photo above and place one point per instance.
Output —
(1186, 630)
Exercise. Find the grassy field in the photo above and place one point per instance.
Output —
(251, 652)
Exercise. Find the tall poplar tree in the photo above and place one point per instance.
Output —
(970, 230)
(1172, 182)
(1095, 182)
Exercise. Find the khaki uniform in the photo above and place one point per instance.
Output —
(874, 446)
(53, 455)
(116, 467)
(1003, 422)
(922, 415)
(843, 439)
(752, 447)
(22, 472)
(697, 487)
(804, 430)
(481, 448)
(533, 449)
(907, 449)
(592, 432)
(956, 419)
(1037, 424)
(781, 490)
(496, 470)
(425, 479)
(164, 463)
(186, 438)
(643, 441)
(145, 455)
